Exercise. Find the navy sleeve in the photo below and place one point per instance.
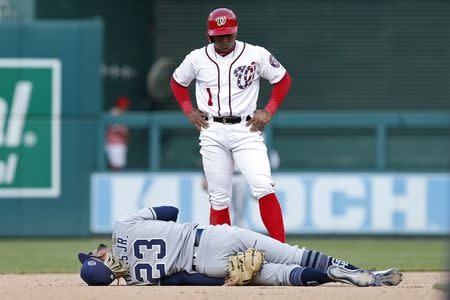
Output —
(184, 278)
(166, 213)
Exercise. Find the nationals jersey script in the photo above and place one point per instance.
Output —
(228, 85)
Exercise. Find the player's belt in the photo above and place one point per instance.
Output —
(229, 119)
(198, 235)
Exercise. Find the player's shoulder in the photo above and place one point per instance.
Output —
(197, 52)
(254, 48)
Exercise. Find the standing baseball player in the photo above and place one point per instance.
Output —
(149, 248)
(117, 137)
(227, 76)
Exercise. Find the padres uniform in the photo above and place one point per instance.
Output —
(229, 86)
(154, 249)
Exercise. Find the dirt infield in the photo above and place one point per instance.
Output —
(70, 286)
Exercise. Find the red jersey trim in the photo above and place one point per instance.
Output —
(218, 78)
(229, 80)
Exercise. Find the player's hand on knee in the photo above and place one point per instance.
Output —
(198, 119)
(259, 121)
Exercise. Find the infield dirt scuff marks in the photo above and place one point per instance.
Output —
(415, 285)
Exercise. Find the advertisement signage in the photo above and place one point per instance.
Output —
(30, 99)
(325, 203)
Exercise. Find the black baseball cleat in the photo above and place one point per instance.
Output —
(387, 277)
(358, 277)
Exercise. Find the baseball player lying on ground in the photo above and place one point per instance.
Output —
(149, 248)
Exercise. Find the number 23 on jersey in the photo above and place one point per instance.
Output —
(152, 268)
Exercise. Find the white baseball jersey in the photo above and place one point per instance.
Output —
(228, 85)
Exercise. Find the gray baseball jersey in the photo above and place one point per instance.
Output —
(154, 249)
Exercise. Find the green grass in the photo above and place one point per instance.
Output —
(408, 254)
(45, 255)
(441, 286)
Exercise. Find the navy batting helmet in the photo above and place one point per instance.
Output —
(94, 271)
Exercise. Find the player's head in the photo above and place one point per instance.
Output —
(100, 266)
(221, 22)
(94, 271)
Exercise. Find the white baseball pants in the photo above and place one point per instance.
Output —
(224, 144)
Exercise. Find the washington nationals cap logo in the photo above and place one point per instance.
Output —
(221, 21)
(245, 75)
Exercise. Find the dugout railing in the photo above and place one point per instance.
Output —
(381, 122)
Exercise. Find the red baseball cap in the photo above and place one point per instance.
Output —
(123, 102)
(222, 21)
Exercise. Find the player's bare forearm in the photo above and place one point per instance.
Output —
(261, 118)
(197, 118)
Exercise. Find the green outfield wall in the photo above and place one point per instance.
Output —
(370, 93)
(50, 102)
(343, 56)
